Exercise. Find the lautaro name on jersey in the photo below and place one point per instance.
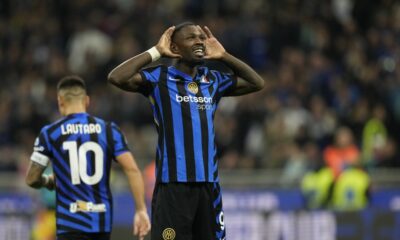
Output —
(79, 128)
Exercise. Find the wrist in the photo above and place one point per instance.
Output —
(45, 181)
(141, 208)
(48, 182)
(225, 55)
(154, 53)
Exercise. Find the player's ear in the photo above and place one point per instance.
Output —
(60, 101)
(174, 48)
(87, 101)
(61, 104)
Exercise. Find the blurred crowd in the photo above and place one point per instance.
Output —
(332, 72)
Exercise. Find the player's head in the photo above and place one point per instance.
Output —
(188, 40)
(72, 95)
(343, 136)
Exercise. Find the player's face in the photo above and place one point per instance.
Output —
(190, 44)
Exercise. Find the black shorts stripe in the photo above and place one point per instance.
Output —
(169, 128)
(83, 236)
(187, 135)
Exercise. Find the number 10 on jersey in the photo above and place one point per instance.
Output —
(78, 162)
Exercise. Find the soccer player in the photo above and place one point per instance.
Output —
(184, 97)
(81, 148)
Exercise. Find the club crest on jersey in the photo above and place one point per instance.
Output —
(168, 234)
(192, 87)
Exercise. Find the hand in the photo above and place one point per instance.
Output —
(164, 44)
(52, 183)
(214, 49)
(141, 224)
(48, 182)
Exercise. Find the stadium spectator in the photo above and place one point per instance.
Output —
(374, 136)
(316, 187)
(351, 191)
(343, 152)
(324, 49)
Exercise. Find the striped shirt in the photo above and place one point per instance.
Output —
(184, 109)
(80, 148)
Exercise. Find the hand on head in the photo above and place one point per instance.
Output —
(214, 49)
(164, 44)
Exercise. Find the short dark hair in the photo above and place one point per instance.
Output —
(181, 26)
(71, 81)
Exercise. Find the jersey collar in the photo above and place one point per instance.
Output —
(81, 114)
(201, 71)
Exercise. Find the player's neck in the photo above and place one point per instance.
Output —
(72, 109)
(189, 69)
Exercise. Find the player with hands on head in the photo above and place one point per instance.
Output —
(81, 148)
(184, 97)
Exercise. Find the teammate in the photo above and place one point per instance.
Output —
(184, 97)
(81, 148)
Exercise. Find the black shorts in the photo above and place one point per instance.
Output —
(187, 211)
(83, 236)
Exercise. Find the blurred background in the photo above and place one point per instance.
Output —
(314, 155)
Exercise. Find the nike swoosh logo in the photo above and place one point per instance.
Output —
(174, 79)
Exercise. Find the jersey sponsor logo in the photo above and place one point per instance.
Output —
(82, 206)
(192, 87)
(81, 128)
(193, 99)
(203, 103)
(168, 234)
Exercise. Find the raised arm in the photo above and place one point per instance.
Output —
(141, 223)
(248, 79)
(126, 75)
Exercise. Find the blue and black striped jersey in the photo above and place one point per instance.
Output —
(184, 109)
(81, 148)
